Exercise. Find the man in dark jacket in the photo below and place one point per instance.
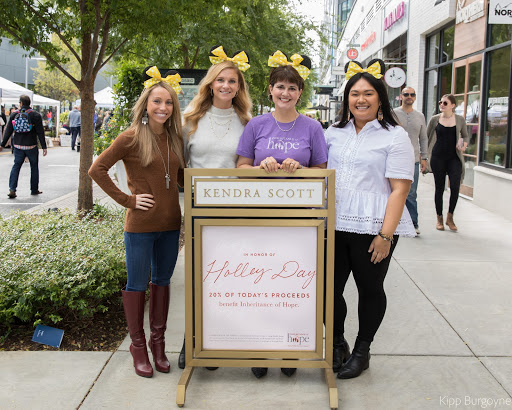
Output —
(28, 127)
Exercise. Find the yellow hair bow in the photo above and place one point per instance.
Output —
(278, 59)
(172, 80)
(353, 69)
(240, 60)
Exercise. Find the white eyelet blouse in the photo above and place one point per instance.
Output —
(364, 163)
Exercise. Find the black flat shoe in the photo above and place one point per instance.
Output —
(259, 372)
(211, 368)
(340, 353)
(289, 371)
(181, 357)
(36, 192)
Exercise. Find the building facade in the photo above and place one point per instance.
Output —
(443, 47)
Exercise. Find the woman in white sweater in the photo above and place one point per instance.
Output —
(215, 119)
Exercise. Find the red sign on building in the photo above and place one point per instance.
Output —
(352, 53)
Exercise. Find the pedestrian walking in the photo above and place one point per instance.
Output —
(26, 127)
(261, 144)
(414, 123)
(152, 152)
(447, 140)
(373, 158)
(74, 125)
(216, 118)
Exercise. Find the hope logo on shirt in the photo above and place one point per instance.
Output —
(283, 144)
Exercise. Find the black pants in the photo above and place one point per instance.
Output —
(351, 255)
(440, 168)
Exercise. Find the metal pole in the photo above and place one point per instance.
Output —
(26, 72)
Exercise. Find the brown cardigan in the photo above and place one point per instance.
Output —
(461, 130)
(165, 215)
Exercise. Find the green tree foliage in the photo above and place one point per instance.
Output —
(259, 27)
(91, 32)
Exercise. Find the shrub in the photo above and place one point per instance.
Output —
(60, 266)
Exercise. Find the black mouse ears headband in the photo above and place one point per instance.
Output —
(354, 67)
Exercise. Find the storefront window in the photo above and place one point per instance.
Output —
(433, 50)
(431, 94)
(475, 72)
(496, 125)
(460, 79)
(500, 33)
(473, 108)
(448, 36)
(446, 79)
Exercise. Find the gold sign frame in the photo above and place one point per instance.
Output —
(301, 215)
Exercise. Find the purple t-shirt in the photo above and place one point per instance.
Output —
(304, 143)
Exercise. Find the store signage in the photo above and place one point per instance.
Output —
(188, 81)
(397, 14)
(469, 13)
(229, 192)
(500, 13)
(352, 53)
(259, 292)
(369, 41)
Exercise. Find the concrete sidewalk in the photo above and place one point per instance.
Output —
(445, 341)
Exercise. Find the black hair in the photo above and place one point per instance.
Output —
(389, 117)
(25, 100)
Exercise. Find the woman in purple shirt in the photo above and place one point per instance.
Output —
(283, 139)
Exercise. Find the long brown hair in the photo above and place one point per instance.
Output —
(203, 100)
(145, 140)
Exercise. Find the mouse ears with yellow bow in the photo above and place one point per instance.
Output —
(301, 63)
(376, 67)
(152, 76)
(240, 59)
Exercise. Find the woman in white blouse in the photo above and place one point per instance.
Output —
(374, 162)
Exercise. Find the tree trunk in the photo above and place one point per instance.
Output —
(85, 195)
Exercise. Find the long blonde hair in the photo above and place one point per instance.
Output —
(145, 140)
(203, 100)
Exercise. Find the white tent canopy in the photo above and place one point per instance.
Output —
(104, 98)
(10, 95)
(10, 92)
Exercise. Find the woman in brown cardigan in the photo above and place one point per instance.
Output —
(447, 140)
(152, 152)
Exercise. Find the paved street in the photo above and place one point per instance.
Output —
(58, 175)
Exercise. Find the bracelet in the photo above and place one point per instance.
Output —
(387, 238)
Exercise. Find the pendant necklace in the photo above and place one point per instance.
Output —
(289, 129)
(167, 177)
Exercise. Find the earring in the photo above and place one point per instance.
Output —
(380, 116)
(145, 117)
(298, 101)
(211, 92)
(236, 94)
(270, 98)
(348, 116)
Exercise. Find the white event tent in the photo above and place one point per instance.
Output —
(104, 98)
(10, 95)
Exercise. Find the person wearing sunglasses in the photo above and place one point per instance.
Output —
(414, 123)
(447, 140)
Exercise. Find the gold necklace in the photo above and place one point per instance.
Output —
(228, 123)
(167, 177)
(289, 129)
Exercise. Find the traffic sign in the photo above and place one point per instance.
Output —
(352, 53)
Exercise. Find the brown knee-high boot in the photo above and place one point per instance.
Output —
(158, 310)
(133, 303)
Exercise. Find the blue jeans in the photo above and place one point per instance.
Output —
(19, 159)
(75, 132)
(154, 252)
(411, 203)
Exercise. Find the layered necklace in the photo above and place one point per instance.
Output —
(167, 177)
(224, 124)
(289, 129)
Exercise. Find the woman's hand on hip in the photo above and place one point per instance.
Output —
(144, 202)
(269, 164)
(290, 165)
(379, 248)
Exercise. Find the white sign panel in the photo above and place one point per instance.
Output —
(470, 12)
(229, 192)
(259, 287)
(500, 12)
